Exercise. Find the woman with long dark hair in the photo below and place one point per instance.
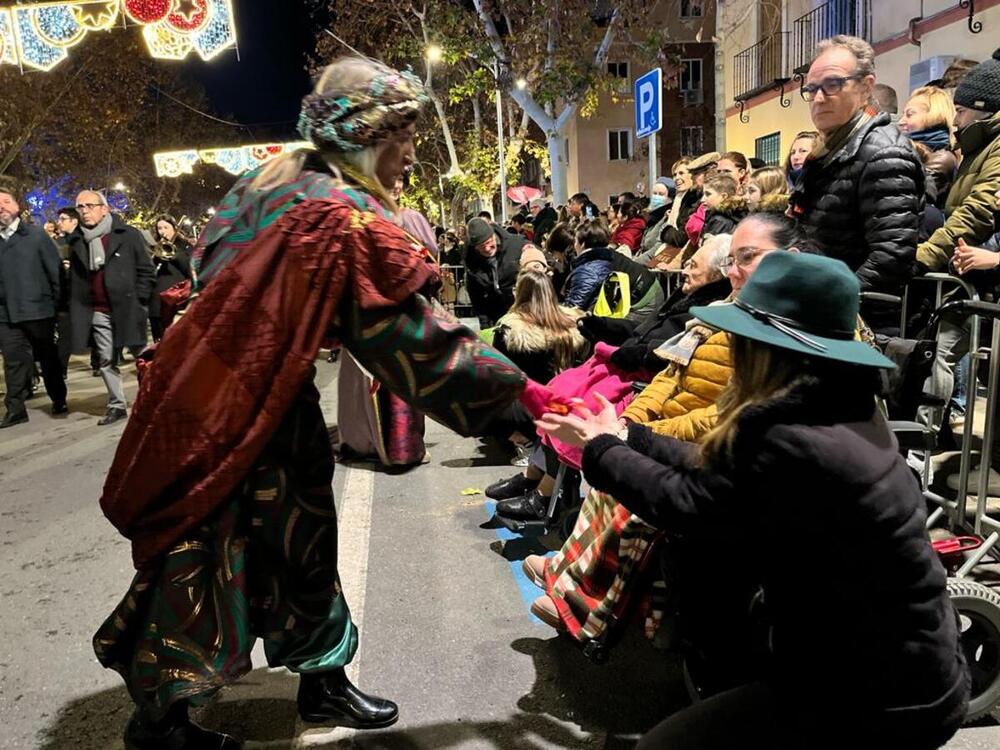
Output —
(859, 647)
(172, 263)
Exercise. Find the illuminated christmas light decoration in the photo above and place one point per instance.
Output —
(236, 160)
(39, 35)
(8, 50)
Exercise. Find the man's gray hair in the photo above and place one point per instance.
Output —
(718, 246)
(858, 47)
(101, 197)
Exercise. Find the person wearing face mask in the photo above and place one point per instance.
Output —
(658, 218)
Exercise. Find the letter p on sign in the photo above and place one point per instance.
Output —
(648, 104)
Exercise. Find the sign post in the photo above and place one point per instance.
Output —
(649, 115)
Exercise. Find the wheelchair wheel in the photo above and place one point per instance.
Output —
(978, 608)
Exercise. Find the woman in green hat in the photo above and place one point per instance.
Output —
(861, 647)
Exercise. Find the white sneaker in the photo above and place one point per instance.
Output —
(915, 460)
(522, 457)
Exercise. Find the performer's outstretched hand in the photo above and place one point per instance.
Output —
(540, 400)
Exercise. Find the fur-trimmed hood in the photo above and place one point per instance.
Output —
(775, 203)
(524, 336)
(735, 207)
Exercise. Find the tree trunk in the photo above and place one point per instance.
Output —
(455, 168)
(557, 154)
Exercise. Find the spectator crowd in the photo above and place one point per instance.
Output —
(699, 355)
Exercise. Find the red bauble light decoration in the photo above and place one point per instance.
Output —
(147, 11)
(187, 16)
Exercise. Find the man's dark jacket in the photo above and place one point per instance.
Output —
(865, 206)
(492, 293)
(128, 279)
(29, 276)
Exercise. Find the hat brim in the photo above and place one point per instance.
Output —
(730, 318)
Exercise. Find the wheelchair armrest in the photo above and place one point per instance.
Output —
(913, 435)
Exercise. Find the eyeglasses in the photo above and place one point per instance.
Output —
(88, 206)
(829, 86)
(742, 257)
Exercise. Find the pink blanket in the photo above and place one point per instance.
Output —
(596, 375)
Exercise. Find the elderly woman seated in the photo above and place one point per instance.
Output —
(585, 580)
(611, 372)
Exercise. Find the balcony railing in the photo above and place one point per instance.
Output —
(760, 67)
(851, 17)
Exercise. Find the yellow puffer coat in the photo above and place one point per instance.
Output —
(680, 401)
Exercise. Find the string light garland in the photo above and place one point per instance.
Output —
(39, 35)
(236, 160)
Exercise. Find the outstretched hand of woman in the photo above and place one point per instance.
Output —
(582, 426)
(967, 258)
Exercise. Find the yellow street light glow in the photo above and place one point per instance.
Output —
(521, 83)
(434, 53)
(121, 187)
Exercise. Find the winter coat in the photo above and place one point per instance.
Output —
(169, 273)
(30, 273)
(128, 279)
(629, 233)
(666, 322)
(817, 457)
(695, 225)
(969, 207)
(939, 171)
(656, 223)
(680, 401)
(589, 271)
(531, 347)
(676, 235)
(864, 207)
(723, 220)
(491, 290)
(543, 224)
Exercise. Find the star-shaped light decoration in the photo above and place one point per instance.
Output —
(188, 15)
(96, 16)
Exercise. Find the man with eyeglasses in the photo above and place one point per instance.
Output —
(111, 279)
(860, 196)
(29, 292)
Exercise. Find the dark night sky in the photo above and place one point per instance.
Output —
(268, 82)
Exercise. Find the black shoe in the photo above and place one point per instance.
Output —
(10, 420)
(113, 415)
(60, 408)
(531, 506)
(180, 734)
(330, 697)
(515, 486)
(334, 356)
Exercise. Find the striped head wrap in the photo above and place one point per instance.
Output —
(356, 119)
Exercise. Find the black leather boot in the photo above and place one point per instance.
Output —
(514, 486)
(330, 697)
(531, 506)
(175, 732)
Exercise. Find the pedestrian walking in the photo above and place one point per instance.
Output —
(29, 293)
(111, 280)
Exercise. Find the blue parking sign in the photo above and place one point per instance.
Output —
(648, 104)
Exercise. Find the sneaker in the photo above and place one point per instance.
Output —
(534, 567)
(545, 610)
(522, 456)
(113, 415)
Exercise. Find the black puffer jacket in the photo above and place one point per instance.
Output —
(491, 285)
(819, 457)
(864, 204)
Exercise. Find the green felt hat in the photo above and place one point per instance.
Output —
(805, 303)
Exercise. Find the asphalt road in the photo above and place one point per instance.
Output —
(439, 600)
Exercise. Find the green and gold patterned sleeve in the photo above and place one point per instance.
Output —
(430, 360)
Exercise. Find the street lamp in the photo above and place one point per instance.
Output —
(434, 53)
(120, 187)
(521, 84)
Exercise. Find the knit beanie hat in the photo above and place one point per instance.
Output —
(980, 89)
(479, 230)
(531, 254)
(669, 184)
